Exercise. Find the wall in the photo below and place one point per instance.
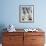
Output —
(10, 13)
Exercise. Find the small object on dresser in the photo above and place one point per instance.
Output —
(26, 30)
(11, 28)
(33, 30)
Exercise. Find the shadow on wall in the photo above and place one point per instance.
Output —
(2, 26)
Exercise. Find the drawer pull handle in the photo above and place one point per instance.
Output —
(11, 38)
(33, 39)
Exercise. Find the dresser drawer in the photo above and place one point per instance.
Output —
(34, 33)
(37, 39)
(13, 44)
(8, 45)
(37, 44)
(13, 33)
(12, 39)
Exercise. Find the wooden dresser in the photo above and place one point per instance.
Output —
(23, 39)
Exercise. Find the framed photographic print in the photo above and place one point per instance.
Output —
(26, 13)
